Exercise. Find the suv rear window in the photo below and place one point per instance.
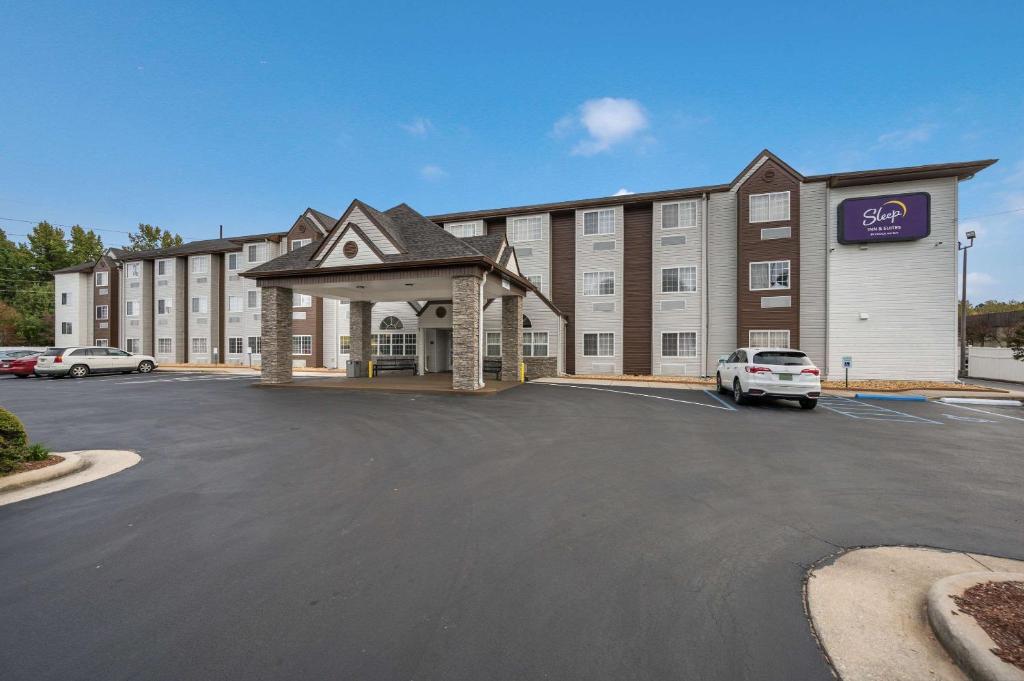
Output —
(794, 359)
(53, 352)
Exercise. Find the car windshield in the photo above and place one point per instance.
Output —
(53, 352)
(778, 357)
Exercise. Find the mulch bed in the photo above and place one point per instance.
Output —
(33, 465)
(998, 607)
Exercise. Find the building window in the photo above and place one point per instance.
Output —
(390, 323)
(199, 346)
(161, 267)
(200, 305)
(537, 280)
(679, 215)
(299, 243)
(163, 306)
(200, 264)
(393, 344)
(235, 345)
(769, 338)
(65, 298)
(599, 222)
(493, 344)
(234, 303)
(164, 346)
(101, 278)
(765, 276)
(682, 344)
(678, 280)
(302, 300)
(102, 342)
(253, 299)
(102, 312)
(133, 270)
(527, 229)
(133, 345)
(232, 262)
(599, 345)
(598, 283)
(464, 229)
(344, 344)
(254, 344)
(257, 252)
(130, 308)
(65, 328)
(527, 324)
(769, 207)
(302, 345)
(535, 344)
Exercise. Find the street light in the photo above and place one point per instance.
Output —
(963, 305)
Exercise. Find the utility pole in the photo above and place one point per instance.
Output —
(963, 305)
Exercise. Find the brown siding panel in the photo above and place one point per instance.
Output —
(495, 225)
(312, 325)
(563, 278)
(636, 289)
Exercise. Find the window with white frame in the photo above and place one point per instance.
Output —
(390, 323)
(599, 222)
(200, 346)
(770, 275)
(131, 308)
(599, 283)
(253, 344)
(65, 328)
(538, 281)
(528, 228)
(679, 279)
(302, 345)
(299, 243)
(769, 207)
(302, 300)
(102, 343)
(535, 344)
(493, 344)
(200, 264)
(344, 344)
(133, 270)
(133, 345)
(679, 344)
(102, 312)
(163, 306)
(393, 344)
(164, 346)
(233, 261)
(161, 267)
(253, 299)
(679, 215)
(65, 298)
(200, 305)
(599, 345)
(101, 278)
(464, 229)
(235, 346)
(769, 338)
(257, 252)
(234, 303)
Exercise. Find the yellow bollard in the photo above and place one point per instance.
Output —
(369, 369)
(522, 372)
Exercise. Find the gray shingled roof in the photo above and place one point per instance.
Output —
(326, 220)
(80, 267)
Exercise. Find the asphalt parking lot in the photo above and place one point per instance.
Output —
(549, 531)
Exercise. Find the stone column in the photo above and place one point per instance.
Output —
(511, 337)
(276, 328)
(466, 325)
(359, 330)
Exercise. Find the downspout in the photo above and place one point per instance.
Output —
(705, 294)
(480, 331)
(828, 281)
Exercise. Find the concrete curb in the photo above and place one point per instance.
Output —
(994, 402)
(961, 635)
(93, 465)
(72, 463)
(893, 398)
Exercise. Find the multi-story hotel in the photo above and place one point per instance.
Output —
(858, 266)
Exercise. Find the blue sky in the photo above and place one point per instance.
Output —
(190, 115)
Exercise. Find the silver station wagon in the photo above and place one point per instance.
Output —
(79, 362)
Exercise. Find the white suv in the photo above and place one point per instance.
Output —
(80, 362)
(770, 372)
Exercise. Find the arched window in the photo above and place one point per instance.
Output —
(527, 324)
(390, 323)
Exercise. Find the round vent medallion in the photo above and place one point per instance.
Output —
(769, 175)
(350, 249)
(442, 312)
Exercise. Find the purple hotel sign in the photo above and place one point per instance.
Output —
(894, 217)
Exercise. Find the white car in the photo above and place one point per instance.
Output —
(769, 372)
(79, 362)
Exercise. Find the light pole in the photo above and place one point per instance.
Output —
(963, 305)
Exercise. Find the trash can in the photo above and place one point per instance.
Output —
(356, 368)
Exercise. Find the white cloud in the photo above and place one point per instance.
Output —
(433, 172)
(608, 121)
(901, 139)
(418, 127)
(622, 192)
(979, 279)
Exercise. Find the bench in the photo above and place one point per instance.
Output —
(395, 364)
(493, 366)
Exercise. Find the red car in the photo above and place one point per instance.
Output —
(22, 367)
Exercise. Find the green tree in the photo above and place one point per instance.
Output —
(1016, 342)
(34, 303)
(148, 237)
(996, 306)
(14, 267)
(47, 250)
(86, 245)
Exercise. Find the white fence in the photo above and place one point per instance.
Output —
(994, 363)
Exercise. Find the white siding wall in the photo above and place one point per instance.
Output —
(245, 323)
(132, 288)
(721, 277)
(165, 287)
(533, 259)
(666, 319)
(78, 286)
(907, 289)
(813, 254)
(372, 233)
(199, 323)
(589, 320)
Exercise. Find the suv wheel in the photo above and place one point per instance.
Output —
(718, 384)
(79, 371)
(808, 403)
(737, 393)
(145, 366)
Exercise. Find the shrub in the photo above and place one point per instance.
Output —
(14, 447)
(36, 452)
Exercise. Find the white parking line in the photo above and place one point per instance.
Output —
(654, 397)
(712, 394)
(855, 409)
(982, 411)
